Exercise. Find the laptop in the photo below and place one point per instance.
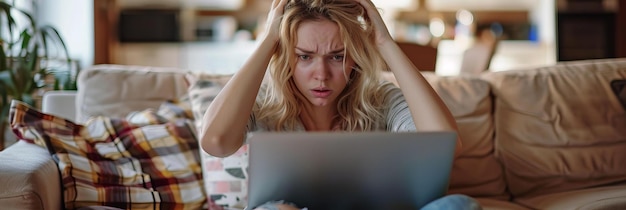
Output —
(362, 170)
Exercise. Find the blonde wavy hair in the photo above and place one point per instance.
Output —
(359, 105)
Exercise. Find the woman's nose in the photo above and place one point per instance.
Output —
(320, 70)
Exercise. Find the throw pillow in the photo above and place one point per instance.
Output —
(203, 88)
(225, 179)
(619, 88)
(117, 163)
(176, 109)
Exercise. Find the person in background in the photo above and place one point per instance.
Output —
(324, 59)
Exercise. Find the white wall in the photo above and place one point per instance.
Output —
(74, 20)
(544, 16)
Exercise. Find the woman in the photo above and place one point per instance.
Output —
(324, 59)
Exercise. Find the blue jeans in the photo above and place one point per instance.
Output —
(452, 202)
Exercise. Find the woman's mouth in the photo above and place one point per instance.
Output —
(321, 92)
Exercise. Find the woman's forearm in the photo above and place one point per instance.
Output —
(428, 110)
(224, 123)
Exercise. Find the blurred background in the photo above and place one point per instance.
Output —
(218, 35)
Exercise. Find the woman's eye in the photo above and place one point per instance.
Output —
(304, 57)
(337, 57)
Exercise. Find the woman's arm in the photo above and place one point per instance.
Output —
(427, 109)
(224, 123)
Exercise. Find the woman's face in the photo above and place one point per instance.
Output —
(320, 72)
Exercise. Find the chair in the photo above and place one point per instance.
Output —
(477, 57)
(422, 56)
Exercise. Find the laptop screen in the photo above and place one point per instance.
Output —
(368, 170)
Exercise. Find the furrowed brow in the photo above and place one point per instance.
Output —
(338, 51)
(304, 51)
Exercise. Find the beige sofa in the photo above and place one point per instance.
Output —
(543, 138)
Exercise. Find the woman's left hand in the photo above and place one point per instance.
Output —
(421, 98)
(382, 33)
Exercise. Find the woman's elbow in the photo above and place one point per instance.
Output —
(218, 146)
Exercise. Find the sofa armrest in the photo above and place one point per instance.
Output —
(60, 103)
(29, 178)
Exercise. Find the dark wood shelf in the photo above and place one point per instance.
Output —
(479, 16)
(585, 35)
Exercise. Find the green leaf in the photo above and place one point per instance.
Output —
(65, 81)
(57, 85)
(6, 82)
(3, 60)
(49, 31)
(4, 105)
(6, 10)
(28, 98)
(25, 36)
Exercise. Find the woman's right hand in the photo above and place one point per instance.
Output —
(274, 17)
(382, 33)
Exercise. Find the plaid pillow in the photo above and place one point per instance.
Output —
(114, 162)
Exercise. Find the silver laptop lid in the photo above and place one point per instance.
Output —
(365, 170)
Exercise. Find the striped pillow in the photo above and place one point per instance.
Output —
(136, 163)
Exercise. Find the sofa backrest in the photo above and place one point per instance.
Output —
(475, 172)
(561, 127)
(551, 129)
(116, 90)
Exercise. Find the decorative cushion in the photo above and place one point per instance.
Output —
(619, 88)
(136, 163)
(202, 90)
(176, 109)
(225, 179)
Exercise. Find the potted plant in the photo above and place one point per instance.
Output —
(29, 61)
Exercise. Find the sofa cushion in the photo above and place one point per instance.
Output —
(598, 198)
(493, 204)
(561, 127)
(475, 172)
(140, 162)
(116, 90)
